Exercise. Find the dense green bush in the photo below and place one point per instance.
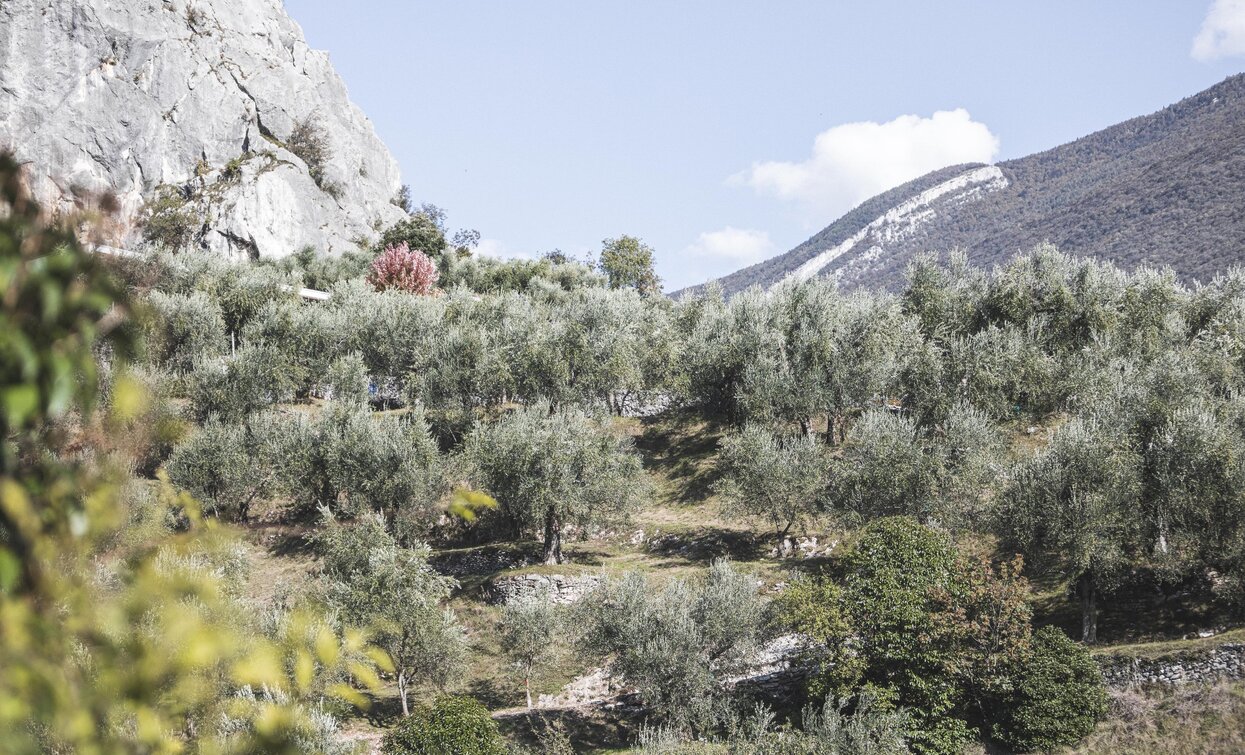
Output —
(1057, 699)
(184, 328)
(233, 388)
(423, 231)
(449, 726)
(677, 645)
(552, 469)
(916, 623)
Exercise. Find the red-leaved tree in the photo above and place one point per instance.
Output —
(405, 269)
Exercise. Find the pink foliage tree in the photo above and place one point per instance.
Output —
(404, 269)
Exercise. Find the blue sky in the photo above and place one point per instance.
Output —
(720, 131)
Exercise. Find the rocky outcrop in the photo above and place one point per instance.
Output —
(560, 588)
(1201, 666)
(126, 97)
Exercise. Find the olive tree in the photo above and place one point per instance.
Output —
(937, 473)
(183, 329)
(777, 478)
(583, 348)
(354, 462)
(530, 628)
(550, 469)
(230, 467)
(1073, 502)
(678, 644)
(371, 580)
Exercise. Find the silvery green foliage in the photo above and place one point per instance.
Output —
(778, 479)
(488, 275)
(394, 331)
(1075, 499)
(471, 357)
(550, 469)
(184, 329)
(241, 290)
(232, 388)
(891, 466)
(870, 729)
(591, 347)
(228, 467)
(322, 736)
(530, 630)
(371, 580)
(345, 459)
(306, 339)
(677, 644)
(722, 341)
(800, 353)
(348, 380)
(353, 463)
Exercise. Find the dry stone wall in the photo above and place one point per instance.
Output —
(1226, 661)
(561, 589)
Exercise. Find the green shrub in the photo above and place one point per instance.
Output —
(257, 378)
(423, 231)
(347, 379)
(310, 142)
(167, 221)
(451, 725)
(1058, 698)
(914, 623)
(184, 328)
(228, 467)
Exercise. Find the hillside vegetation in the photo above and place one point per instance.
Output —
(283, 525)
(1161, 190)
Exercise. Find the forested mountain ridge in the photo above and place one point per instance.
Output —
(1166, 189)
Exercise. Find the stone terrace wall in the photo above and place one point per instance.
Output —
(562, 589)
(1226, 661)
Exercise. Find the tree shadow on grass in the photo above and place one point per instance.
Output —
(384, 710)
(289, 541)
(680, 449)
(710, 543)
(489, 694)
(587, 728)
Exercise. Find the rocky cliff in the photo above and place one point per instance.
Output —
(198, 102)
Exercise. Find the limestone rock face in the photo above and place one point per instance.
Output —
(128, 96)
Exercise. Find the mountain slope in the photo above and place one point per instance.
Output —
(1163, 189)
(125, 97)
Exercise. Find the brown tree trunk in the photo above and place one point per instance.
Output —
(553, 539)
(406, 711)
(1089, 609)
(527, 687)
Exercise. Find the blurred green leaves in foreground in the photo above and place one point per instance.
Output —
(111, 643)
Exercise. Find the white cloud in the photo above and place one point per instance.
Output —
(498, 249)
(734, 245)
(1223, 31)
(855, 161)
